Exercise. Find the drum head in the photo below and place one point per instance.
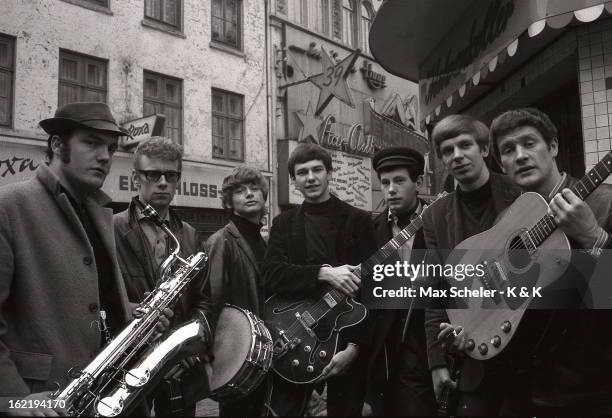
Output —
(233, 339)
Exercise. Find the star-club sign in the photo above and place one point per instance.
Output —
(332, 81)
(310, 125)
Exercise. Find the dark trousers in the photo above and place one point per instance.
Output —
(251, 406)
(408, 389)
(345, 394)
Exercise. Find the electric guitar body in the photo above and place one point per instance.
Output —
(305, 333)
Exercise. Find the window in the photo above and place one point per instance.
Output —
(164, 95)
(366, 24)
(348, 22)
(227, 125)
(166, 12)
(81, 79)
(318, 16)
(7, 63)
(298, 11)
(226, 22)
(98, 5)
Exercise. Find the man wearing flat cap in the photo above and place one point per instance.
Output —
(61, 293)
(401, 350)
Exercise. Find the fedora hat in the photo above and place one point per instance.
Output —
(91, 115)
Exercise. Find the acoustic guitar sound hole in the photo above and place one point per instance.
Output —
(518, 254)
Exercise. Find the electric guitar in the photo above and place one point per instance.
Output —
(305, 332)
(524, 249)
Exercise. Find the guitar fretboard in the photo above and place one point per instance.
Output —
(591, 180)
(380, 256)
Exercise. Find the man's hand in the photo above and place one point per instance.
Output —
(164, 320)
(575, 218)
(341, 278)
(42, 398)
(185, 364)
(452, 338)
(441, 379)
(340, 362)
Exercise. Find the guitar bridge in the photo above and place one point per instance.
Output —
(284, 344)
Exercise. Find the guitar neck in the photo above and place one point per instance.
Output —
(591, 180)
(380, 256)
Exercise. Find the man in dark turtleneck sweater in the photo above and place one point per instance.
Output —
(312, 246)
(235, 255)
(462, 143)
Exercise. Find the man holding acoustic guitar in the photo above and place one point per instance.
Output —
(570, 371)
(462, 143)
(561, 357)
(312, 253)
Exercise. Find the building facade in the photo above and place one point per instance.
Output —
(327, 88)
(194, 71)
(482, 58)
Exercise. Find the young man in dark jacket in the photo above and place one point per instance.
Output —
(313, 245)
(399, 379)
(143, 246)
(462, 143)
(235, 253)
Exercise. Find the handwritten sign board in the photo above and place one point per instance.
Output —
(351, 180)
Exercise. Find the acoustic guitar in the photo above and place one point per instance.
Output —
(305, 332)
(523, 250)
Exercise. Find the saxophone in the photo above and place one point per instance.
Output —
(136, 359)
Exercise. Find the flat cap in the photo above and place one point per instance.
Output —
(398, 157)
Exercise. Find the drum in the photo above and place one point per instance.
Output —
(242, 352)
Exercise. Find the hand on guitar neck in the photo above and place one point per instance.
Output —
(341, 278)
(574, 217)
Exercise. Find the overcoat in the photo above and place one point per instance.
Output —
(49, 297)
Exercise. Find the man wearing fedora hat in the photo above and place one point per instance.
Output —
(61, 292)
(400, 347)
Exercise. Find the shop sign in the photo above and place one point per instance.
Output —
(377, 133)
(141, 129)
(198, 187)
(372, 78)
(485, 30)
(18, 162)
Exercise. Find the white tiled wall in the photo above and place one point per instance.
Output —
(594, 65)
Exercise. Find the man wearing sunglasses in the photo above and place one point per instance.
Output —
(142, 247)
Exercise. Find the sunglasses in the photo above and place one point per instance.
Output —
(153, 176)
